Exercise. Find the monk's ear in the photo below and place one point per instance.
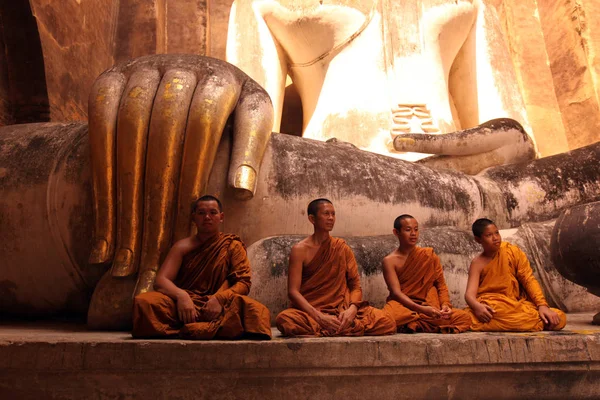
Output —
(395, 232)
(311, 218)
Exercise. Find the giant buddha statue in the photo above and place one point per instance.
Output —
(111, 196)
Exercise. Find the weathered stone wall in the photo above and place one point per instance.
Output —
(161, 26)
(77, 40)
(565, 30)
(525, 37)
(23, 94)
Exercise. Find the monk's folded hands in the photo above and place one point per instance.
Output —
(446, 312)
(328, 322)
(185, 308)
(347, 317)
(212, 309)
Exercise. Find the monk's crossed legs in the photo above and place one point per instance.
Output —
(369, 321)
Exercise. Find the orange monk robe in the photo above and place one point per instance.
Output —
(330, 283)
(218, 267)
(422, 280)
(508, 286)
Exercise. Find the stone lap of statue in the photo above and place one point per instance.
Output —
(155, 125)
(370, 71)
(45, 203)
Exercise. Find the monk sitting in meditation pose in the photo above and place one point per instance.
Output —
(201, 287)
(502, 293)
(324, 286)
(418, 299)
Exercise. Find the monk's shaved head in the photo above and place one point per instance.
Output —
(206, 197)
(479, 226)
(398, 221)
(313, 206)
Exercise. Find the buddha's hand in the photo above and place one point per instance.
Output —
(155, 124)
(493, 143)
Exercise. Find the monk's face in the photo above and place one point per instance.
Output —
(325, 218)
(207, 217)
(408, 235)
(490, 239)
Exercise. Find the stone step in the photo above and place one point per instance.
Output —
(66, 361)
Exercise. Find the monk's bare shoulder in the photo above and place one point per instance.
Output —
(299, 250)
(393, 260)
(301, 246)
(184, 246)
(478, 263)
(389, 259)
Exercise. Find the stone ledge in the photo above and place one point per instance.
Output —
(66, 361)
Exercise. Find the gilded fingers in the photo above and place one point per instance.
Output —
(214, 100)
(132, 128)
(103, 107)
(163, 162)
(252, 129)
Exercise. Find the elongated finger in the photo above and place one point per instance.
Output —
(252, 130)
(103, 107)
(214, 100)
(484, 138)
(132, 137)
(163, 163)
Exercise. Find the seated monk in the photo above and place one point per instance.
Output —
(324, 286)
(502, 293)
(418, 299)
(201, 287)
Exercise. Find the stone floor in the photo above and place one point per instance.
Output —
(66, 361)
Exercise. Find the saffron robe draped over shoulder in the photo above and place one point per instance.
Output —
(422, 280)
(217, 267)
(330, 283)
(508, 286)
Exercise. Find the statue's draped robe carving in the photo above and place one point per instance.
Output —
(422, 279)
(330, 283)
(508, 286)
(218, 267)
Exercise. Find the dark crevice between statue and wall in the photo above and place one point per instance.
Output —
(23, 92)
